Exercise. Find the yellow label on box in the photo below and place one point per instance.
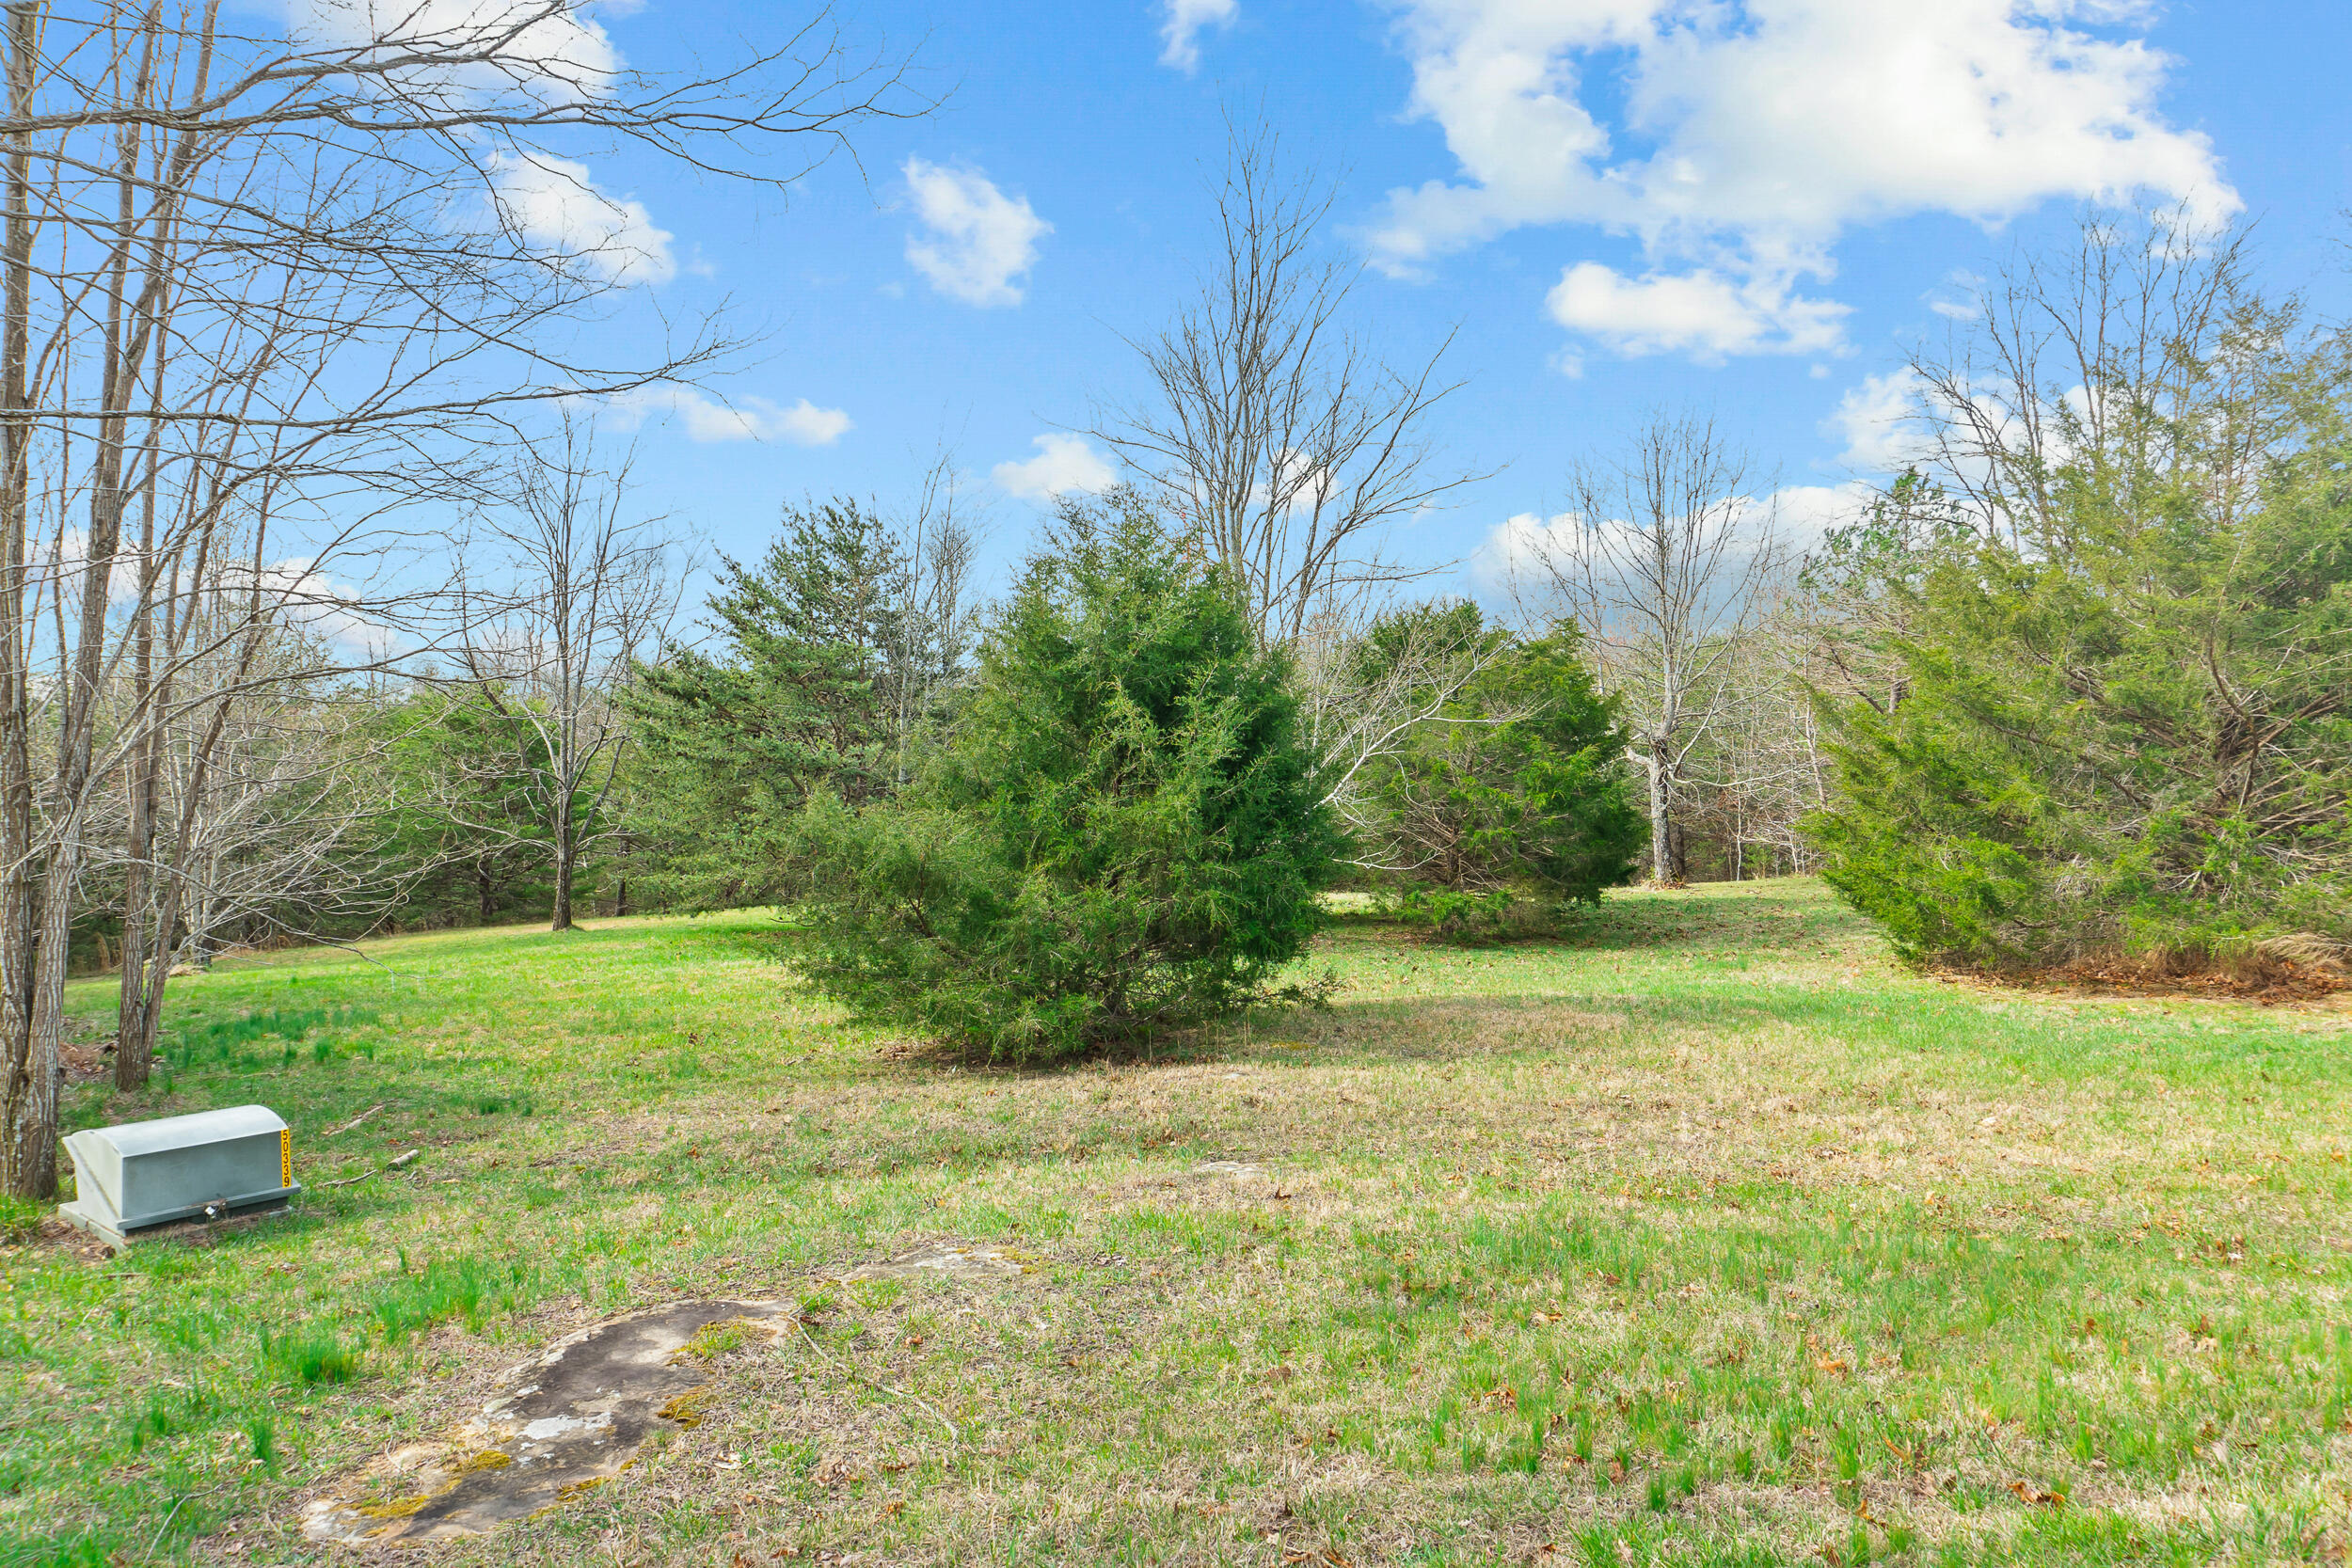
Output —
(285, 1157)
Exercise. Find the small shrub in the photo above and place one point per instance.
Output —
(1464, 916)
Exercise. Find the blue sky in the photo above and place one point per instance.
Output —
(1620, 203)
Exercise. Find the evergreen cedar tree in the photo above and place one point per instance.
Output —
(732, 744)
(1513, 804)
(1124, 833)
(2124, 732)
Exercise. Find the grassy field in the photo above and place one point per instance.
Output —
(1711, 1238)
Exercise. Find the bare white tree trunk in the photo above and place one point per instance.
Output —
(1668, 562)
(28, 1155)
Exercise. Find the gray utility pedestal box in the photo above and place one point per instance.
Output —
(147, 1173)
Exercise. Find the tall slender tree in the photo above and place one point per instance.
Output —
(578, 592)
(1666, 560)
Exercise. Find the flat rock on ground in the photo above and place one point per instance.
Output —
(568, 1421)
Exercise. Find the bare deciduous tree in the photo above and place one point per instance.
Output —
(932, 627)
(265, 274)
(1664, 559)
(2134, 348)
(580, 594)
(1277, 433)
(258, 806)
(1759, 769)
(1358, 710)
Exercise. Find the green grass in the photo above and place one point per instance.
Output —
(1706, 1237)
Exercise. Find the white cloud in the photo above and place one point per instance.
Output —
(1179, 34)
(1959, 296)
(805, 423)
(1702, 313)
(1062, 463)
(1805, 513)
(1878, 422)
(1741, 137)
(980, 241)
(750, 419)
(1517, 548)
(552, 52)
(551, 204)
(307, 600)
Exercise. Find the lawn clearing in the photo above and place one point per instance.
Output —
(1712, 1238)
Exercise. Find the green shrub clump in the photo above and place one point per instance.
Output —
(1508, 806)
(1124, 833)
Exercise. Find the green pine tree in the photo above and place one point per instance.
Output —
(789, 699)
(1123, 835)
(2115, 718)
(1511, 802)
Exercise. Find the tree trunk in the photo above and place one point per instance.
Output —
(28, 1099)
(564, 852)
(134, 1045)
(1660, 765)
